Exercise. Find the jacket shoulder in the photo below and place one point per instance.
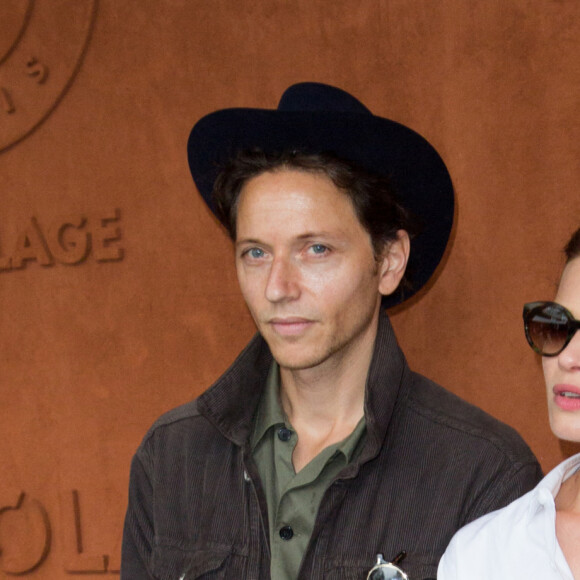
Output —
(185, 411)
(182, 412)
(469, 422)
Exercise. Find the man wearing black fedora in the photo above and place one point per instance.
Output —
(319, 453)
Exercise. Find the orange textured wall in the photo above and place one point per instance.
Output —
(118, 298)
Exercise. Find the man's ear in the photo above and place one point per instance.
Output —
(393, 263)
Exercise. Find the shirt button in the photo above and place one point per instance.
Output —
(286, 533)
(284, 434)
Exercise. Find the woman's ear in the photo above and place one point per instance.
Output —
(393, 263)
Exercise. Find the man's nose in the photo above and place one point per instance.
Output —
(283, 281)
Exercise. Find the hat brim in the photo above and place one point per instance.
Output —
(415, 169)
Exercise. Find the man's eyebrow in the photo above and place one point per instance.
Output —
(322, 234)
(250, 241)
(337, 239)
(318, 234)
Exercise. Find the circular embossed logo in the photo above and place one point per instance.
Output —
(42, 45)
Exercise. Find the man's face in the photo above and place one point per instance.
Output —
(306, 269)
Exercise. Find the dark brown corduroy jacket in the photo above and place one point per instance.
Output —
(431, 463)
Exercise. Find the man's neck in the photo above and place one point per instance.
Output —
(325, 403)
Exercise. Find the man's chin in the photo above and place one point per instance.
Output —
(297, 361)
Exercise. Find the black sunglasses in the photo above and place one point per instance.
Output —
(549, 327)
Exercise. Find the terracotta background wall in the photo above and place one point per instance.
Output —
(118, 298)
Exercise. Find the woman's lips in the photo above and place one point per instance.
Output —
(291, 326)
(567, 397)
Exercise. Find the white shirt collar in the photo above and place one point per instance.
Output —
(546, 491)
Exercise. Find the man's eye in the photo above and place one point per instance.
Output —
(255, 253)
(318, 249)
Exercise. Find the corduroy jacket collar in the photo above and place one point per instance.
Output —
(230, 403)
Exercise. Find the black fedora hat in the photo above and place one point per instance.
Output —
(318, 118)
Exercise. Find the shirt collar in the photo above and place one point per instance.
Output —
(269, 411)
(546, 491)
(270, 414)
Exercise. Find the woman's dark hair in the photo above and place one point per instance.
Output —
(572, 249)
(374, 201)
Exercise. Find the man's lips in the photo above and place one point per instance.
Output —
(291, 325)
(567, 397)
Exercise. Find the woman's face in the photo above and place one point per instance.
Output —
(562, 372)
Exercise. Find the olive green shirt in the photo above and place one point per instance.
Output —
(292, 498)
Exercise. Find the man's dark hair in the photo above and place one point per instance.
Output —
(372, 196)
(374, 201)
(572, 249)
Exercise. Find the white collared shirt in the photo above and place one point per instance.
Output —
(516, 542)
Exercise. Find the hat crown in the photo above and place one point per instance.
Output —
(317, 97)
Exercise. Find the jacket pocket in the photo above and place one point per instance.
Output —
(171, 563)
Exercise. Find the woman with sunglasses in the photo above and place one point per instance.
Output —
(538, 535)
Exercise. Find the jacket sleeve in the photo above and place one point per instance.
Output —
(507, 485)
(138, 531)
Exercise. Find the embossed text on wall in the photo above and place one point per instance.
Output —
(70, 240)
(26, 537)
